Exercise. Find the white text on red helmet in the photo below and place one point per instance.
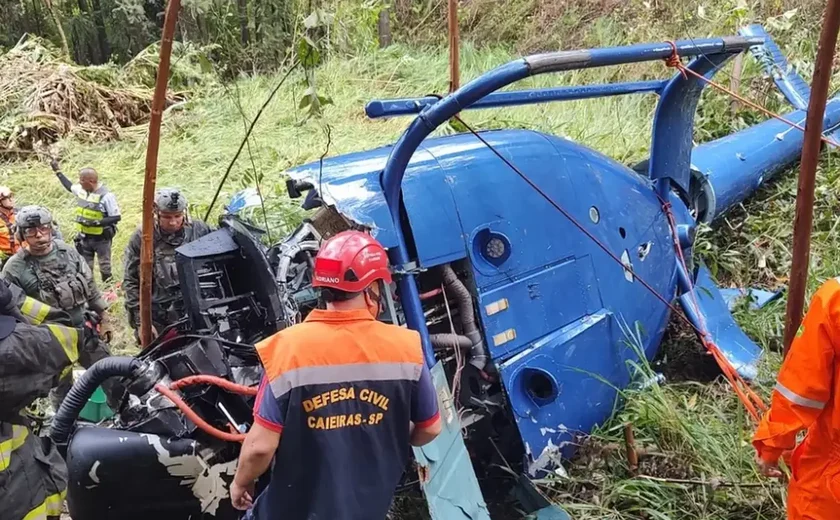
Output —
(326, 279)
(370, 256)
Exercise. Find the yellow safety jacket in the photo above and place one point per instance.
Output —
(33, 476)
(89, 211)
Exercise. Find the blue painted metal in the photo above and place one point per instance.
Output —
(445, 469)
(434, 115)
(242, 200)
(550, 513)
(569, 306)
(758, 298)
(407, 106)
(776, 65)
(673, 124)
(725, 333)
(735, 165)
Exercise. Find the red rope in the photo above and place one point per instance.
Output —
(745, 394)
(674, 61)
(751, 401)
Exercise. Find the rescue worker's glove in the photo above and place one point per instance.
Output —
(106, 327)
(54, 165)
(91, 341)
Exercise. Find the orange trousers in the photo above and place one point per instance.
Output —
(814, 491)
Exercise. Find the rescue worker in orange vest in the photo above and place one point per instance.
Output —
(347, 393)
(8, 244)
(805, 398)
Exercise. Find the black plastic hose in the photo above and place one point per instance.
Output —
(83, 389)
(459, 292)
(450, 341)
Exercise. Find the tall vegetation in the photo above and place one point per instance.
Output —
(258, 35)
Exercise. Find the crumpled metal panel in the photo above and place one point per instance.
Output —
(758, 298)
(243, 199)
(351, 183)
(777, 67)
(564, 384)
(738, 349)
(446, 472)
(216, 243)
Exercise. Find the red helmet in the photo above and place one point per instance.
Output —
(350, 261)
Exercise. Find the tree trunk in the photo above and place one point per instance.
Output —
(65, 48)
(257, 18)
(242, 6)
(384, 28)
(101, 35)
(83, 6)
(36, 13)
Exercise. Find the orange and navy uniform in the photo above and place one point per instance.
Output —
(805, 398)
(342, 389)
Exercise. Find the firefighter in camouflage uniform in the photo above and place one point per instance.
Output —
(33, 476)
(52, 272)
(173, 228)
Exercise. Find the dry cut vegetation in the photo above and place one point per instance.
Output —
(44, 99)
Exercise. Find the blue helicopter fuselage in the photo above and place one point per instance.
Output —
(566, 305)
(563, 321)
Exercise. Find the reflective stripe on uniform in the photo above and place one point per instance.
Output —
(795, 398)
(19, 435)
(69, 339)
(35, 310)
(51, 506)
(352, 372)
(89, 209)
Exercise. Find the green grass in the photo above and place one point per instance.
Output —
(200, 138)
(692, 431)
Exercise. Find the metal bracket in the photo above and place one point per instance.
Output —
(411, 268)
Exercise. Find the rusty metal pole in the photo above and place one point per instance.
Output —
(803, 220)
(454, 48)
(158, 102)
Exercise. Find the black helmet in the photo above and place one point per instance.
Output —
(30, 217)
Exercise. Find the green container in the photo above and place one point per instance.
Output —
(96, 409)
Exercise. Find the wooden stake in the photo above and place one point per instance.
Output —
(384, 28)
(630, 446)
(803, 220)
(735, 81)
(454, 48)
(158, 102)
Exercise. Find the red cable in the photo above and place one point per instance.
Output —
(728, 370)
(195, 418)
(674, 61)
(430, 294)
(216, 381)
(745, 394)
(581, 227)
